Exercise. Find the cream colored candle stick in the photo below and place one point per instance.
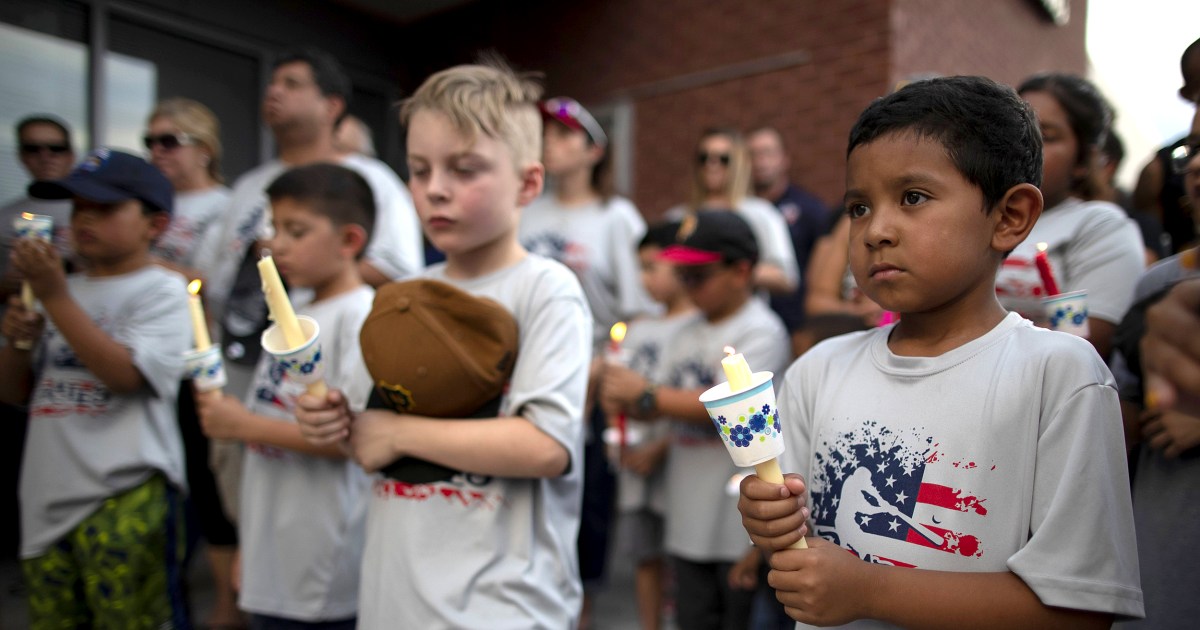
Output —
(282, 312)
(738, 373)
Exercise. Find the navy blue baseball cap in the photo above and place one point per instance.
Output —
(107, 176)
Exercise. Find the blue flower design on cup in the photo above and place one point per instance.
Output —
(758, 422)
(741, 436)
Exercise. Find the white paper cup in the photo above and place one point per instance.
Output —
(1067, 312)
(40, 227)
(747, 421)
(205, 368)
(303, 364)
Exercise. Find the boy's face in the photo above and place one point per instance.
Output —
(307, 247)
(920, 239)
(293, 98)
(109, 233)
(717, 289)
(658, 276)
(1060, 148)
(467, 195)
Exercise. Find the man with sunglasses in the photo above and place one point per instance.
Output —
(44, 149)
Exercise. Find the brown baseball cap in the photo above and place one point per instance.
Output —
(435, 350)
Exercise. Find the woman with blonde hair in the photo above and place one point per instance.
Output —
(722, 182)
(183, 138)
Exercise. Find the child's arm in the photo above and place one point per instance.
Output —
(226, 418)
(111, 362)
(15, 364)
(1171, 345)
(825, 585)
(621, 389)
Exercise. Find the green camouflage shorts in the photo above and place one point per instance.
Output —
(120, 568)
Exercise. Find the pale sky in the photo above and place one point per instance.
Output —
(1134, 48)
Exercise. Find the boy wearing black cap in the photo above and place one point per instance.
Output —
(103, 466)
(714, 256)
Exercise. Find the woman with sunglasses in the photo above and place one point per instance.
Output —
(183, 138)
(722, 182)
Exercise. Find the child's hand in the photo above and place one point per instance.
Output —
(1170, 431)
(620, 387)
(20, 323)
(39, 264)
(372, 439)
(324, 422)
(644, 460)
(822, 585)
(774, 515)
(743, 575)
(220, 415)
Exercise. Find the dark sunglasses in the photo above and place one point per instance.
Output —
(695, 277)
(703, 158)
(1181, 156)
(34, 148)
(168, 141)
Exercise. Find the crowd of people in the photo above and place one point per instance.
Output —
(487, 440)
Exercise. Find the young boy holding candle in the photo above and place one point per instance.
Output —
(714, 253)
(303, 508)
(103, 472)
(972, 463)
(494, 546)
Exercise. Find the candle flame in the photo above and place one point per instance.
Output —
(194, 286)
(28, 216)
(1041, 247)
(617, 332)
(729, 351)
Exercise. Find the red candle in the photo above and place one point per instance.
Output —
(1043, 266)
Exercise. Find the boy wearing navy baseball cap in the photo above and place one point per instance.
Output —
(103, 468)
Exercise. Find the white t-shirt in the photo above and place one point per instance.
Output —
(643, 347)
(395, 248)
(1004, 454)
(702, 520)
(491, 552)
(302, 517)
(1092, 245)
(598, 241)
(770, 230)
(195, 212)
(86, 443)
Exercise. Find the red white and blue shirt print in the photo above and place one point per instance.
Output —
(875, 490)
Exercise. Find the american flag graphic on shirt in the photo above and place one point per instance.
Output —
(872, 486)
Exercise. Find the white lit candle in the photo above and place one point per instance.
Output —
(737, 371)
(278, 303)
(199, 323)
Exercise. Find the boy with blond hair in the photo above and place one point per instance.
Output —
(972, 464)
(493, 546)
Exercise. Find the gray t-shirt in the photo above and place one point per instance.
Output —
(1004, 454)
(702, 520)
(597, 241)
(302, 517)
(86, 443)
(643, 349)
(490, 552)
(195, 212)
(1092, 246)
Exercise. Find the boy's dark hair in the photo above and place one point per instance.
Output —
(1113, 148)
(988, 132)
(661, 235)
(43, 119)
(332, 191)
(327, 73)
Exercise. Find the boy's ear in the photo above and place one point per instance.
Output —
(354, 239)
(533, 177)
(1015, 216)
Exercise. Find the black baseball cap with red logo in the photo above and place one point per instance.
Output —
(711, 236)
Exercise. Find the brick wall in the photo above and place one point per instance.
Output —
(804, 66)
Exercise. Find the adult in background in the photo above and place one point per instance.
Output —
(44, 149)
(184, 140)
(721, 182)
(807, 217)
